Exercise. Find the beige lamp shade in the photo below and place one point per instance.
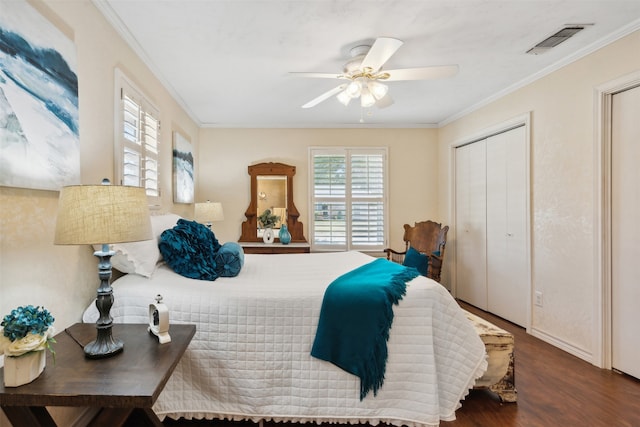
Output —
(208, 212)
(102, 214)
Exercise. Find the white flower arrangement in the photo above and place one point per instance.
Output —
(26, 329)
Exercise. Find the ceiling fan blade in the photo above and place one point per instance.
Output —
(423, 73)
(317, 75)
(385, 101)
(383, 48)
(324, 96)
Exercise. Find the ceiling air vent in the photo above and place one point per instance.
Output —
(557, 38)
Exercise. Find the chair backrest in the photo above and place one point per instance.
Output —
(428, 237)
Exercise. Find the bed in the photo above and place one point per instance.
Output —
(250, 358)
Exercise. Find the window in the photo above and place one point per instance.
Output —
(348, 198)
(137, 139)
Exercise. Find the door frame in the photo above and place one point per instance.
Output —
(603, 96)
(517, 121)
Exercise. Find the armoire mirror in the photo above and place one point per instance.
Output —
(272, 188)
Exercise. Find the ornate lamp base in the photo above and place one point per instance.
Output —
(105, 344)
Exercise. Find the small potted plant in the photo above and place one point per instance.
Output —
(267, 221)
(25, 335)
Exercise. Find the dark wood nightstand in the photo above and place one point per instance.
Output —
(275, 248)
(124, 386)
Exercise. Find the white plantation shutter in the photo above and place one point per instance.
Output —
(138, 136)
(151, 153)
(367, 201)
(329, 200)
(348, 198)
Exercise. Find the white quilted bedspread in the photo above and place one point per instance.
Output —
(250, 357)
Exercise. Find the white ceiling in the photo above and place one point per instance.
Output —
(227, 62)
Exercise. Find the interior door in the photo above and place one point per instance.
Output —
(471, 259)
(625, 231)
(507, 255)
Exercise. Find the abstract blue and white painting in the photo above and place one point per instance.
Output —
(183, 183)
(39, 138)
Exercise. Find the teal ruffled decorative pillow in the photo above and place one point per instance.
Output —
(189, 249)
(229, 259)
(416, 260)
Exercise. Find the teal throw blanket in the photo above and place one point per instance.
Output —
(355, 318)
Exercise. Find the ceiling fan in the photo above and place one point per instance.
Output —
(363, 74)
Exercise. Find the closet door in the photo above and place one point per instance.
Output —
(625, 232)
(507, 255)
(471, 261)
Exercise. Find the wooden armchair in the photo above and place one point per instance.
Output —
(428, 238)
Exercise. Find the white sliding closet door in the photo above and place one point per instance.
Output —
(492, 217)
(507, 255)
(625, 232)
(471, 261)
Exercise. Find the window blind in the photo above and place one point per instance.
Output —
(348, 198)
(139, 138)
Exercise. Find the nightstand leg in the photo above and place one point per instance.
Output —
(28, 416)
(111, 417)
(144, 417)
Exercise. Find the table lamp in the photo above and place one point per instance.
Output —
(208, 212)
(100, 215)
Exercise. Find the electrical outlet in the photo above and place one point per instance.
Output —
(538, 298)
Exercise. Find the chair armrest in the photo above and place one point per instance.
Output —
(435, 257)
(393, 255)
(389, 250)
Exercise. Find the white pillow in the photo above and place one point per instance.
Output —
(142, 257)
(160, 223)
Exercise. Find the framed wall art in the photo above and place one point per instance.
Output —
(183, 181)
(39, 136)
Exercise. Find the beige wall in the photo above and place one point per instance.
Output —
(60, 277)
(64, 278)
(225, 155)
(34, 271)
(563, 185)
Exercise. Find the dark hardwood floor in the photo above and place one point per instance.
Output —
(554, 389)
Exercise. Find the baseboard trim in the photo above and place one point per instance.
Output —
(562, 345)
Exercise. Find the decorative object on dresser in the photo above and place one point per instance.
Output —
(208, 212)
(268, 236)
(25, 335)
(272, 188)
(267, 221)
(102, 214)
(424, 248)
(285, 236)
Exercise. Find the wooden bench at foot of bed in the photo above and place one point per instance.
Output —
(500, 375)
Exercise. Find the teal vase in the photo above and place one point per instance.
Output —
(284, 235)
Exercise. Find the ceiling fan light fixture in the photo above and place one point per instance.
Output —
(377, 89)
(344, 98)
(354, 89)
(363, 76)
(366, 98)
